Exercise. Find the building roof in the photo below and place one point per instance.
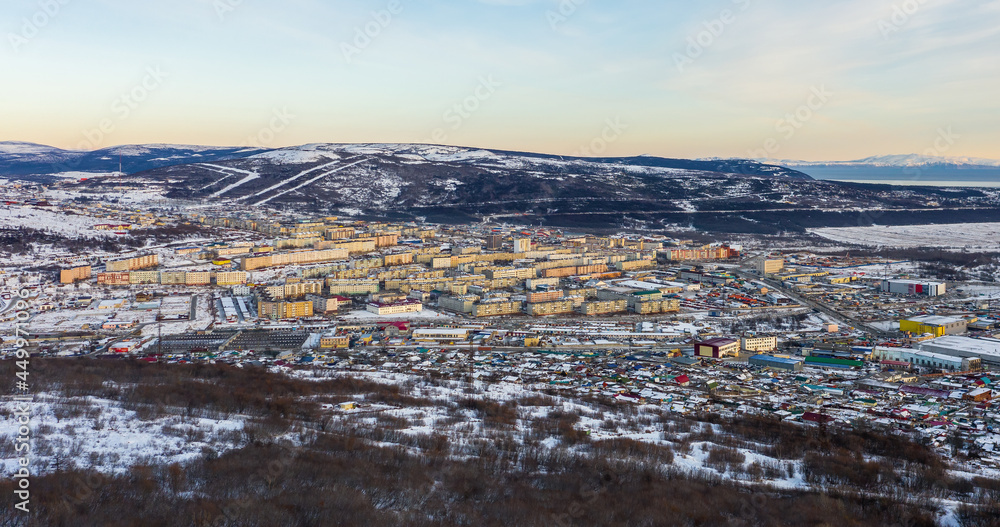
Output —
(776, 360)
(989, 347)
(935, 319)
(717, 342)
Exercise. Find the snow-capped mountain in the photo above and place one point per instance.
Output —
(902, 160)
(23, 159)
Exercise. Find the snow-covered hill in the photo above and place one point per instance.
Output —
(34, 161)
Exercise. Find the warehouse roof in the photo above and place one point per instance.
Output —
(989, 347)
(777, 360)
(935, 319)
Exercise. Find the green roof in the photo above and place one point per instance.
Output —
(838, 362)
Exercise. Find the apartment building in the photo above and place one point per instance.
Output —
(395, 308)
(496, 308)
(280, 309)
(251, 263)
(458, 304)
(520, 273)
(605, 307)
(113, 279)
(544, 296)
(352, 287)
(559, 307)
(173, 277)
(398, 259)
(144, 277)
(294, 290)
(70, 276)
(226, 278)
(635, 265)
(196, 278)
(327, 304)
(133, 264)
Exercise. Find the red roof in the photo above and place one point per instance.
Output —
(816, 418)
(682, 379)
(718, 342)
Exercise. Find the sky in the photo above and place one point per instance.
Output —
(779, 79)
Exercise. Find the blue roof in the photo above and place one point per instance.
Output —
(779, 360)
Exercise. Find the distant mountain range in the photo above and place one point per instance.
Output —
(448, 184)
(907, 169)
(903, 160)
(30, 159)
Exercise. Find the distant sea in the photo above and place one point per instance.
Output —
(935, 176)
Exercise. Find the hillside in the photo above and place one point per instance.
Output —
(454, 185)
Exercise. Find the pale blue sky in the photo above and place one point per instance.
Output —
(538, 75)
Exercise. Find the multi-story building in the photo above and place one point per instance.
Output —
(458, 304)
(717, 348)
(535, 297)
(173, 277)
(144, 277)
(602, 307)
(133, 264)
(395, 308)
(913, 287)
(398, 259)
(225, 278)
(339, 233)
(759, 343)
(295, 290)
(113, 279)
(251, 263)
(705, 253)
(357, 246)
(522, 245)
(198, 278)
(496, 308)
(327, 304)
(634, 265)
(352, 287)
(652, 307)
(70, 276)
(520, 273)
(334, 342)
(770, 266)
(494, 242)
(558, 307)
(279, 309)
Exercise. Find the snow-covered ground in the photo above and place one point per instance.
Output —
(68, 225)
(981, 236)
(101, 434)
(426, 314)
